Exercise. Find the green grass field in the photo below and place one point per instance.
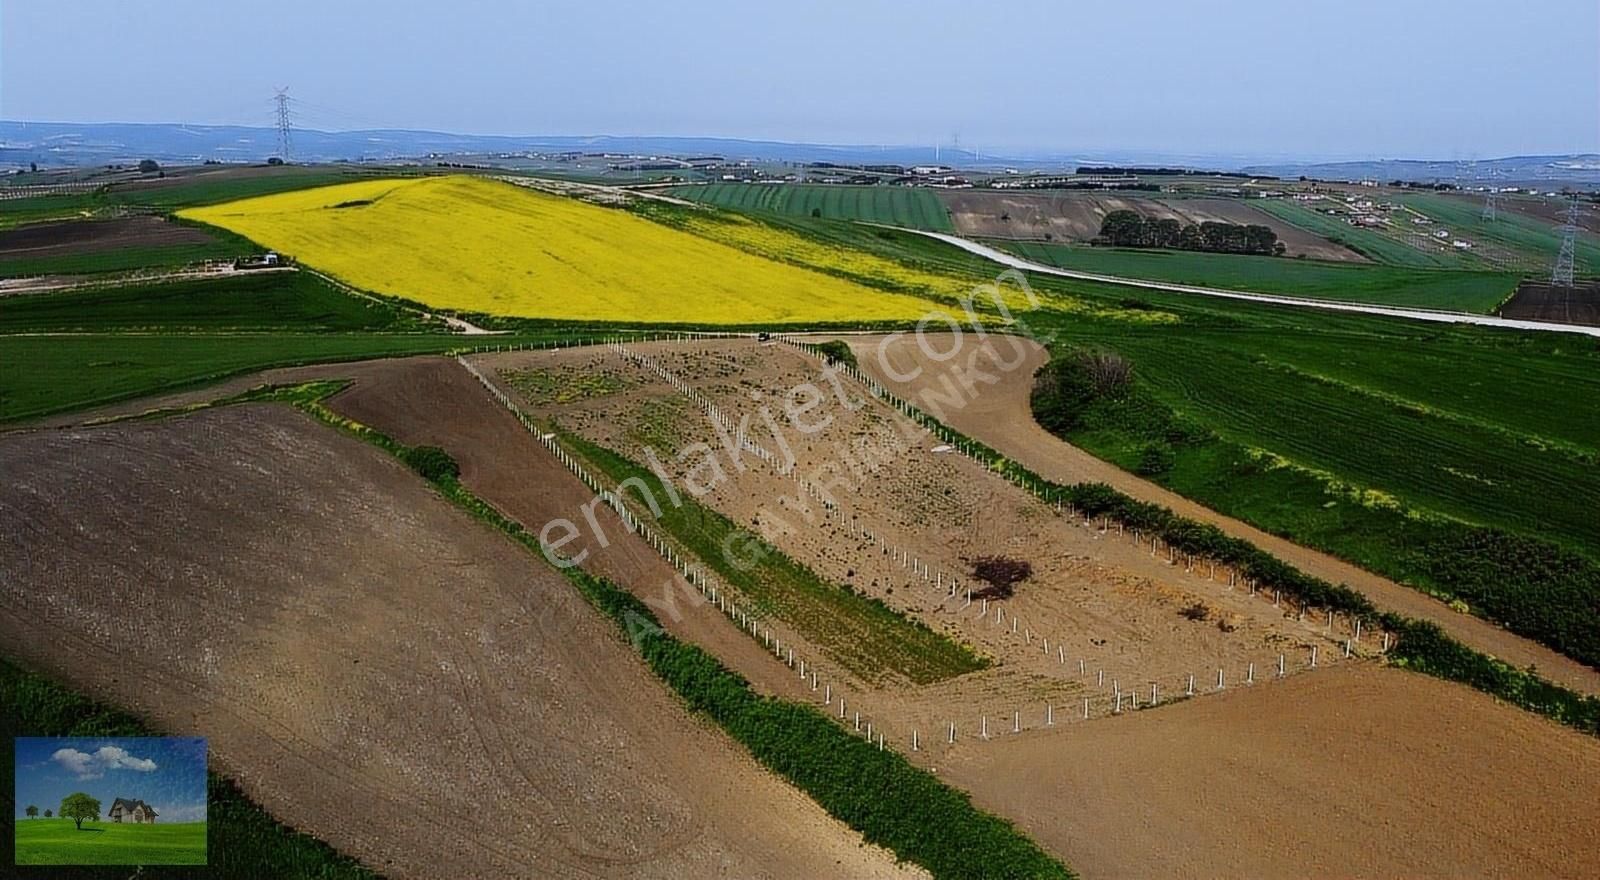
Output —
(61, 842)
(913, 207)
(296, 301)
(1375, 245)
(1388, 285)
(48, 374)
(1534, 240)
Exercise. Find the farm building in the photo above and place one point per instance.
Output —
(132, 810)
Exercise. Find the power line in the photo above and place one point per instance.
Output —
(1491, 208)
(1562, 274)
(282, 99)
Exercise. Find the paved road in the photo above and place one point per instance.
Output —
(1016, 262)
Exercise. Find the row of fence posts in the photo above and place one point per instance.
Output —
(1116, 699)
(712, 589)
(951, 587)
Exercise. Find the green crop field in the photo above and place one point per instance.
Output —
(1375, 245)
(47, 374)
(61, 842)
(1460, 466)
(913, 207)
(1388, 285)
(261, 301)
(1533, 239)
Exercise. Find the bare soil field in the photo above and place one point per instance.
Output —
(373, 665)
(1541, 301)
(1100, 613)
(65, 237)
(1077, 216)
(1361, 771)
(999, 415)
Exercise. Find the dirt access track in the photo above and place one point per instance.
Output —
(372, 664)
(1000, 415)
(1077, 216)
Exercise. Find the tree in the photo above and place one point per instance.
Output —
(32, 811)
(146, 166)
(48, 814)
(1001, 573)
(33, 166)
(1122, 228)
(78, 807)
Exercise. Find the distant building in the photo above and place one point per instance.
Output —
(136, 811)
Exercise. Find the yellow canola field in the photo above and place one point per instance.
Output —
(476, 245)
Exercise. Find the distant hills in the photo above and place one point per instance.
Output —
(57, 144)
(1581, 169)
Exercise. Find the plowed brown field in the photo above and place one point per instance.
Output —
(372, 664)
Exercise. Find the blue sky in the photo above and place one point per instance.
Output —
(1341, 79)
(169, 773)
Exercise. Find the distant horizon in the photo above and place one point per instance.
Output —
(1034, 153)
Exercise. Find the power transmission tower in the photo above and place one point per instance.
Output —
(282, 99)
(1562, 274)
(1491, 210)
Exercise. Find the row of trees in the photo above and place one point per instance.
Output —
(1129, 229)
(76, 806)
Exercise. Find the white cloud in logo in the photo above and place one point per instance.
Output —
(85, 765)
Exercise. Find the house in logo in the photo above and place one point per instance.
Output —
(123, 809)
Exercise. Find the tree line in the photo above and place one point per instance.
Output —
(1129, 229)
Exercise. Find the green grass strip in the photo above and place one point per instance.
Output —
(860, 632)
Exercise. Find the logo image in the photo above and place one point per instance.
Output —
(129, 800)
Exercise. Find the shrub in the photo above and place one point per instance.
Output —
(1002, 574)
(434, 464)
(1156, 458)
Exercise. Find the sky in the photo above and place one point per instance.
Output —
(1321, 79)
(168, 773)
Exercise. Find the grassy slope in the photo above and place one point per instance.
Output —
(241, 839)
(62, 842)
(1460, 291)
(59, 373)
(1375, 245)
(1534, 239)
(913, 207)
(262, 301)
(1438, 450)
